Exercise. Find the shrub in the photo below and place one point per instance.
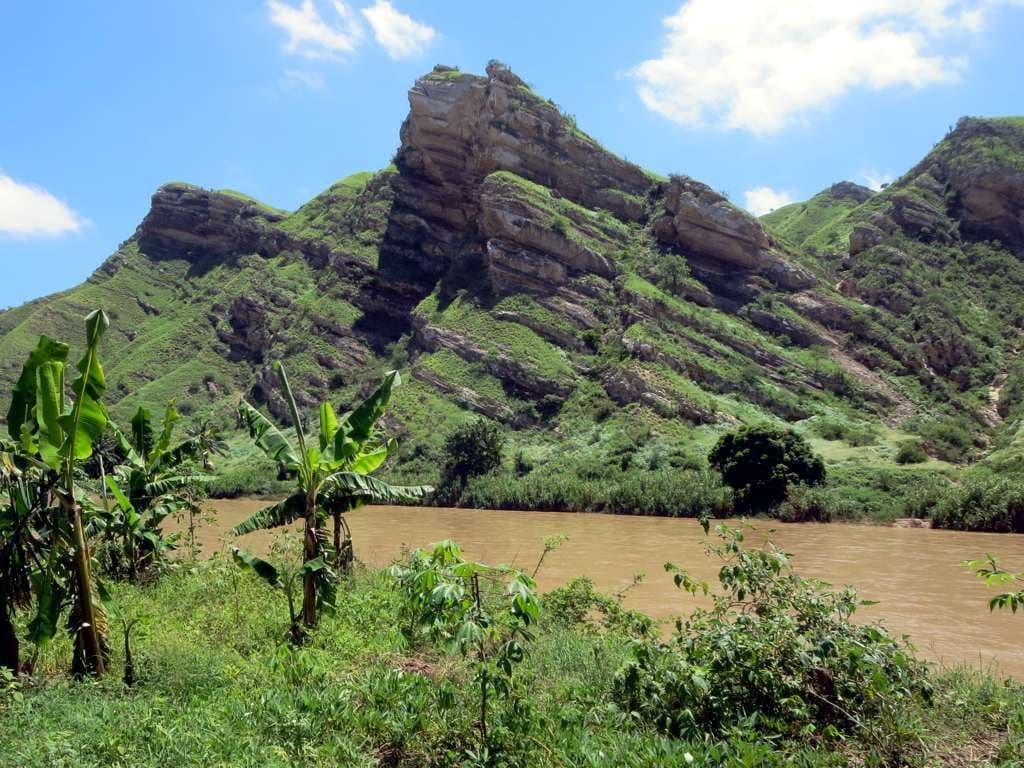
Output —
(470, 450)
(814, 505)
(579, 606)
(777, 655)
(983, 504)
(761, 462)
(910, 452)
(859, 434)
(949, 439)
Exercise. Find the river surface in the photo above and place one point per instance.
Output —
(916, 574)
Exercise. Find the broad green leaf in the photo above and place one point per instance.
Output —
(23, 396)
(142, 433)
(362, 419)
(369, 461)
(268, 437)
(257, 565)
(49, 599)
(282, 377)
(175, 483)
(328, 426)
(88, 419)
(164, 443)
(288, 511)
(184, 451)
(122, 500)
(312, 566)
(49, 410)
(372, 491)
(132, 457)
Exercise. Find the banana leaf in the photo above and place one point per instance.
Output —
(288, 511)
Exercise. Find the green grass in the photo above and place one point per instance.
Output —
(498, 337)
(216, 686)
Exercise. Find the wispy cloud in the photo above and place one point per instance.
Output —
(876, 180)
(762, 200)
(29, 211)
(757, 66)
(304, 79)
(315, 35)
(310, 35)
(400, 35)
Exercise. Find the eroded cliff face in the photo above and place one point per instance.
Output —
(512, 263)
(726, 246)
(185, 220)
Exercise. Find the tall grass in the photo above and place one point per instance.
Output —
(666, 494)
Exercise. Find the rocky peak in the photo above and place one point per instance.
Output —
(190, 220)
(461, 128)
(848, 190)
(977, 174)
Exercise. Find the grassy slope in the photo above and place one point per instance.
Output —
(705, 360)
(797, 223)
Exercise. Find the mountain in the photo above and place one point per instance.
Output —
(516, 269)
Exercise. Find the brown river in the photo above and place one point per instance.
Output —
(916, 574)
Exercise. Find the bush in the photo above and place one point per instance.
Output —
(982, 504)
(814, 505)
(777, 655)
(910, 452)
(579, 606)
(859, 434)
(470, 450)
(761, 462)
(949, 439)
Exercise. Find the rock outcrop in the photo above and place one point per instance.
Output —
(725, 245)
(462, 128)
(187, 220)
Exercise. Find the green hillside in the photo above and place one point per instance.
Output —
(614, 323)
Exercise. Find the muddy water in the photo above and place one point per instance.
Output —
(916, 574)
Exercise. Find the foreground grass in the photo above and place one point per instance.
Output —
(216, 687)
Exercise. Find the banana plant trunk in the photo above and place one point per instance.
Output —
(88, 651)
(344, 554)
(9, 648)
(310, 547)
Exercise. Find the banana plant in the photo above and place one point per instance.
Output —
(23, 542)
(284, 579)
(59, 434)
(149, 486)
(332, 478)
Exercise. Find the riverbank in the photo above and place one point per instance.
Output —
(215, 686)
(916, 575)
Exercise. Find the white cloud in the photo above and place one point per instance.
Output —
(762, 200)
(400, 35)
(301, 78)
(30, 211)
(876, 180)
(756, 66)
(310, 35)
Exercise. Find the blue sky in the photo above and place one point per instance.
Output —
(103, 102)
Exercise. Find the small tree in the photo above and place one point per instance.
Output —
(332, 477)
(671, 270)
(761, 462)
(471, 450)
(55, 435)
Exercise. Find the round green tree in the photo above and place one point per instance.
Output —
(470, 450)
(761, 462)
